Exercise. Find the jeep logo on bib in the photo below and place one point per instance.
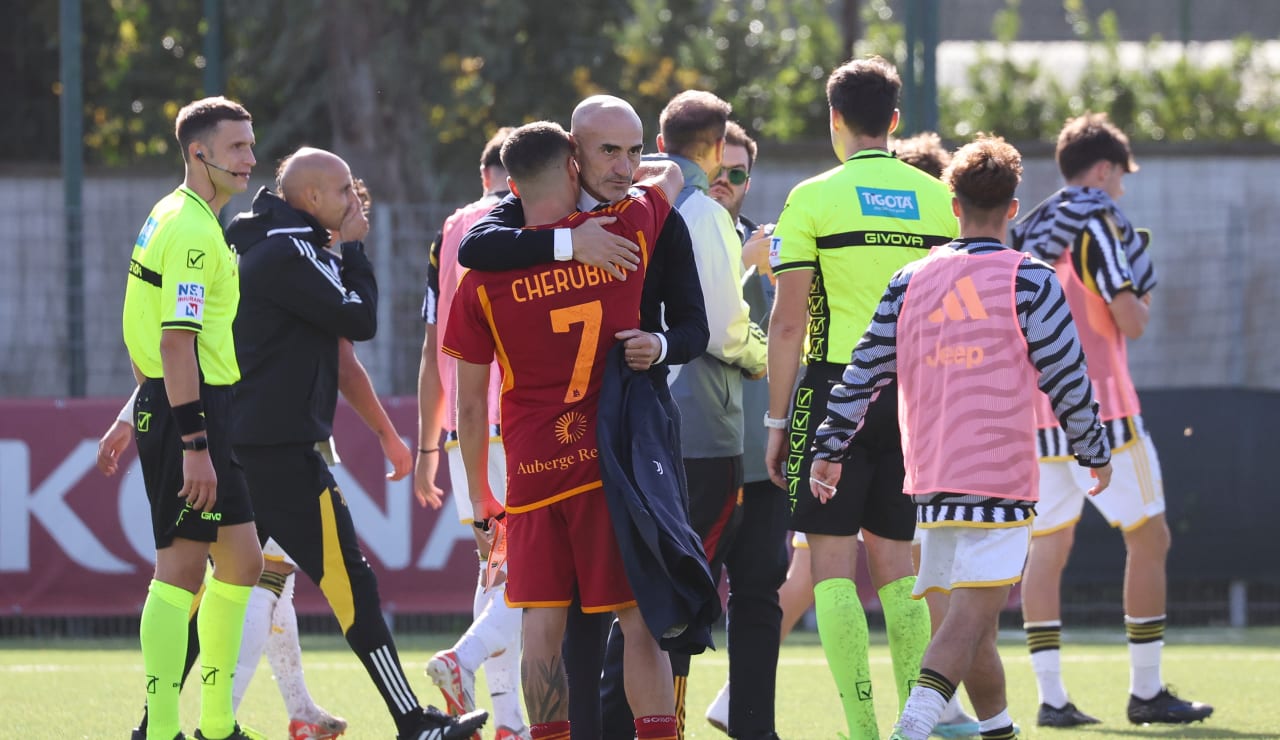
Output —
(889, 203)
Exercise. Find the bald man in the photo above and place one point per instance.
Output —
(608, 138)
(299, 299)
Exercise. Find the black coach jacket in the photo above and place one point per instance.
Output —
(296, 299)
(643, 474)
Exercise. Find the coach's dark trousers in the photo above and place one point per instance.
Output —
(750, 542)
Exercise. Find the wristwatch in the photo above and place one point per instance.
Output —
(196, 445)
(772, 423)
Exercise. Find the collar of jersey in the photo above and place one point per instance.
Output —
(978, 245)
(203, 203)
(871, 154)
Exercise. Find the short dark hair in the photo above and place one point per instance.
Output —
(865, 93)
(735, 134)
(1088, 139)
(984, 173)
(199, 118)
(492, 154)
(533, 148)
(693, 121)
(924, 151)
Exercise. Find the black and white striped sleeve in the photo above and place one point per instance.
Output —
(431, 293)
(1104, 259)
(1055, 350)
(873, 365)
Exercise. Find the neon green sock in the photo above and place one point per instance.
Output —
(907, 622)
(164, 648)
(220, 624)
(842, 626)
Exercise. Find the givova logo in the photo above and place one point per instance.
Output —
(144, 236)
(889, 203)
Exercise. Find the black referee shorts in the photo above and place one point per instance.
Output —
(870, 492)
(160, 452)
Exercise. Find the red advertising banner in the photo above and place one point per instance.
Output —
(75, 543)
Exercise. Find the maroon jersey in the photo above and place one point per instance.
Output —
(550, 327)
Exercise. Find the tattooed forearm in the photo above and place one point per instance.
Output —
(546, 689)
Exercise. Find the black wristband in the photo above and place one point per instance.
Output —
(428, 452)
(483, 524)
(189, 417)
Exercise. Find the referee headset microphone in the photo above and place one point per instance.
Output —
(200, 156)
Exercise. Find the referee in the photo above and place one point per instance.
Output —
(841, 236)
(181, 298)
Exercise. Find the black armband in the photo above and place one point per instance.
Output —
(189, 417)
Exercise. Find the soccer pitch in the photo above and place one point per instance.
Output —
(75, 688)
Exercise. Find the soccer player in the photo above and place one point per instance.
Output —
(608, 140)
(300, 302)
(839, 239)
(551, 327)
(972, 333)
(1108, 276)
(180, 301)
(493, 639)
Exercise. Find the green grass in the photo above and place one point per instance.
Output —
(93, 689)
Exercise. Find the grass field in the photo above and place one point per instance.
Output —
(93, 689)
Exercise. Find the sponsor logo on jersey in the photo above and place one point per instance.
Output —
(775, 251)
(889, 203)
(570, 427)
(144, 236)
(955, 355)
(959, 304)
(190, 303)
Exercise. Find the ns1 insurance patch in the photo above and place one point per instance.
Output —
(190, 304)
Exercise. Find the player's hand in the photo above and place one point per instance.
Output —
(663, 173)
(355, 225)
(756, 252)
(199, 481)
(486, 508)
(824, 476)
(640, 348)
(775, 453)
(1103, 475)
(594, 246)
(424, 479)
(398, 455)
(112, 444)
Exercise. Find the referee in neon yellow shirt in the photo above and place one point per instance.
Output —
(182, 295)
(841, 236)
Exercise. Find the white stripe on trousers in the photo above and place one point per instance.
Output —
(393, 678)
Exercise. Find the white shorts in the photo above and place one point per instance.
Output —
(965, 556)
(1135, 495)
(273, 551)
(458, 477)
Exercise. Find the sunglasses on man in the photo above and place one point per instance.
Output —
(735, 175)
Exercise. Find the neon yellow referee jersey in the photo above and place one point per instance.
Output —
(183, 276)
(855, 226)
